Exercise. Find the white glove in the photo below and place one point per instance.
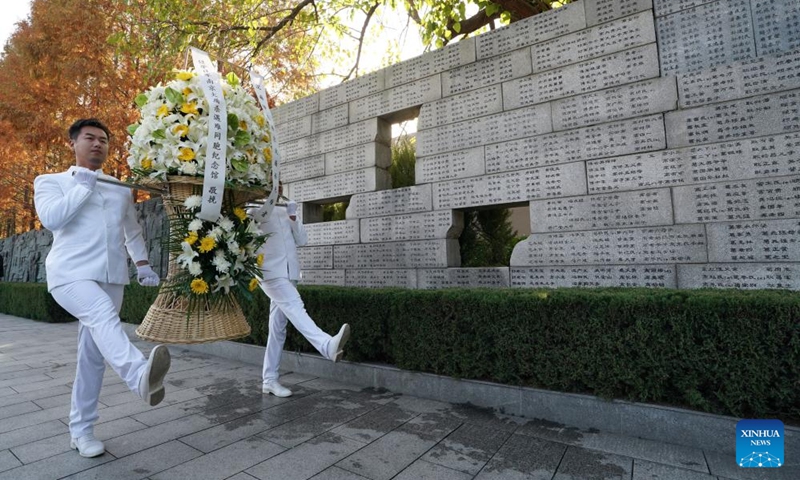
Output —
(291, 208)
(146, 276)
(86, 177)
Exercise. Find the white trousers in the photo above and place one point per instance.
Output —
(285, 303)
(100, 336)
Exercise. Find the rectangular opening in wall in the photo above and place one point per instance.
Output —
(404, 154)
(324, 212)
(490, 234)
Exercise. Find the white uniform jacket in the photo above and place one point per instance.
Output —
(280, 252)
(91, 229)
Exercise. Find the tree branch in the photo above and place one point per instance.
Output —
(370, 12)
(285, 21)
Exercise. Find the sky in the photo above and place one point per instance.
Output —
(13, 12)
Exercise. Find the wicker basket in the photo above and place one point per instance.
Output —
(167, 320)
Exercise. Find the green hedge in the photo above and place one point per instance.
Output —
(721, 351)
(31, 300)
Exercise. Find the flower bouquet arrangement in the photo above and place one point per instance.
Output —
(175, 144)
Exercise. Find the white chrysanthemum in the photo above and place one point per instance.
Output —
(233, 247)
(195, 225)
(216, 233)
(189, 168)
(195, 268)
(220, 262)
(226, 224)
(193, 201)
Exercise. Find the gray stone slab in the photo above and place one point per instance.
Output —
(602, 11)
(708, 35)
(620, 68)
(664, 7)
(381, 278)
(48, 447)
(488, 71)
(582, 464)
(322, 277)
(414, 226)
(18, 384)
(489, 277)
(390, 202)
(467, 449)
(32, 418)
(231, 432)
(606, 140)
(447, 58)
(144, 464)
(758, 241)
(741, 79)
(423, 470)
(637, 99)
(420, 253)
(18, 409)
(352, 89)
(652, 245)
(531, 30)
(224, 462)
(299, 108)
(725, 466)
(398, 99)
(375, 424)
(58, 466)
(294, 129)
(335, 187)
(654, 276)
(392, 453)
(311, 167)
(644, 470)
(302, 429)
(763, 115)
(457, 108)
(336, 473)
(775, 24)
(371, 130)
(330, 118)
(511, 187)
(743, 275)
(642, 208)
(360, 156)
(8, 461)
(333, 233)
(450, 165)
(149, 437)
(307, 459)
(524, 458)
(315, 257)
(772, 156)
(764, 199)
(31, 433)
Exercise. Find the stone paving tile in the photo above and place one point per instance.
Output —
(34, 396)
(18, 409)
(581, 464)
(724, 465)
(420, 405)
(8, 461)
(27, 419)
(152, 436)
(139, 406)
(524, 458)
(142, 464)
(32, 433)
(644, 470)
(306, 460)
(34, 451)
(55, 467)
(7, 391)
(16, 383)
(29, 387)
(231, 432)
(336, 473)
(675, 455)
(224, 462)
(468, 448)
(309, 426)
(422, 470)
(242, 476)
(294, 378)
(375, 424)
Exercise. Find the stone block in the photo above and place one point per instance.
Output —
(391, 202)
(414, 226)
(489, 277)
(413, 254)
(652, 276)
(740, 275)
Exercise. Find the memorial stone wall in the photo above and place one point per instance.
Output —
(656, 143)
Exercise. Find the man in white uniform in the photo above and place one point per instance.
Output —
(280, 272)
(93, 224)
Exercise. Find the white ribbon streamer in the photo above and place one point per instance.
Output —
(261, 93)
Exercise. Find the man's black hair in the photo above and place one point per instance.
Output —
(76, 127)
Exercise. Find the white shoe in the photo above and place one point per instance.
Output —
(337, 343)
(151, 384)
(276, 389)
(87, 446)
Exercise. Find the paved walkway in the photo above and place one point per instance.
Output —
(216, 424)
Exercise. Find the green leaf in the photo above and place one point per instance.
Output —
(233, 122)
(491, 10)
(174, 96)
(242, 138)
(239, 165)
(457, 27)
(159, 134)
(140, 100)
(132, 129)
(232, 79)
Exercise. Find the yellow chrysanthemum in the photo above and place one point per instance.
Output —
(260, 120)
(186, 91)
(147, 164)
(163, 111)
(199, 286)
(189, 108)
(185, 76)
(253, 284)
(266, 138)
(186, 154)
(240, 213)
(180, 130)
(260, 259)
(191, 238)
(207, 244)
(242, 125)
(268, 155)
